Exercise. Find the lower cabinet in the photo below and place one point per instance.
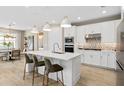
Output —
(105, 59)
(108, 59)
(111, 60)
(91, 57)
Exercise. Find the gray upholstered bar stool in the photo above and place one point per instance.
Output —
(27, 61)
(52, 68)
(36, 65)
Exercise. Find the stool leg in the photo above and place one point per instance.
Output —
(24, 71)
(37, 70)
(33, 75)
(44, 76)
(47, 78)
(62, 78)
(57, 76)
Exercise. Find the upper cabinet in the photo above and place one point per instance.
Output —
(94, 28)
(55, 36)
(108, 32)
(87, 29)
(70, 32)
(81, 31)
(107, 29)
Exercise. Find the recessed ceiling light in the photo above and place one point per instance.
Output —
(104, 12)
(78, 18)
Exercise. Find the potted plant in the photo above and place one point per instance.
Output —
(8, 44)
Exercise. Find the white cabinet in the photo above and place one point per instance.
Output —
(111, 61)
(103, 59)
(108, 32)
(106, 59)
(95, 58)
(107, 29)
(87, 29)
(55, 36)
(87, 58)
(82, 56)
(81, 31)
(94, 28)
(70, 32)
(91, 57)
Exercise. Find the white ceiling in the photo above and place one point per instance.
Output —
(26, 17)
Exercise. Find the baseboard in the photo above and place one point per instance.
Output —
(107, 68)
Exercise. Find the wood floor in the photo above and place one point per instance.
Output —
(11, 74)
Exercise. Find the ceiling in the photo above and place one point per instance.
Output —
(25, 17)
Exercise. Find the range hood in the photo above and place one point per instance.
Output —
(95, 35)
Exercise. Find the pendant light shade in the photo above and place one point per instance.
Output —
(65, 22)
(47, 27)
(34, 29)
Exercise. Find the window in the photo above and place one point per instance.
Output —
(4, 41)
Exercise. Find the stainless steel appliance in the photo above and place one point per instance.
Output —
(69, 44)
(69, 48)
(69, 40)
(93, 37)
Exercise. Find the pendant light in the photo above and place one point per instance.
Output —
(65, 22)
(47, 27)
(10, 28)
(34, 29)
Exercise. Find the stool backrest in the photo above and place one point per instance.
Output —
(27, 58)
(48, 64)
(35, 60)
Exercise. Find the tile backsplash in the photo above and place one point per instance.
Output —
(103, 46)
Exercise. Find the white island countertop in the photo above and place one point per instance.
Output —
(66, 56)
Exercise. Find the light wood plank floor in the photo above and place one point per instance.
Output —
(11, 74)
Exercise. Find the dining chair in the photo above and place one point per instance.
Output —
(15, 54)
(4, 56)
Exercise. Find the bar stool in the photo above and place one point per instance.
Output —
(51, 68)
(27, 61)
(36, 65)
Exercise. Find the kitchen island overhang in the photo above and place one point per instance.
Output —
(69, 61)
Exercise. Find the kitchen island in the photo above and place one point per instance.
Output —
(69, 61)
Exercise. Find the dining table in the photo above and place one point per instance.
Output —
(6, 53)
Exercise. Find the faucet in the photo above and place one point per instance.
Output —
(54, 46)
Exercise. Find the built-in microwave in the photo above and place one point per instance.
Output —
(69, 40)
